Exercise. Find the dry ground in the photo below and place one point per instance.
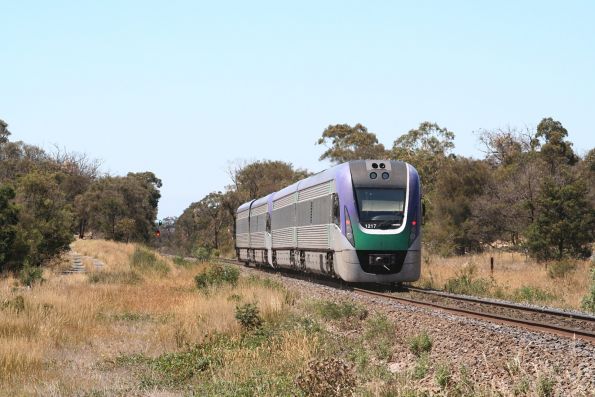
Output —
(515, 277)
(142, 327)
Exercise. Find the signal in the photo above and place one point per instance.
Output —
(157, 233)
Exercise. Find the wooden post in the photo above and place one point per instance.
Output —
(492, 266)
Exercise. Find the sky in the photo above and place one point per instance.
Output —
(184, 88)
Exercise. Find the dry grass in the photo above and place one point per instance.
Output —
(512, 272)
(55, 343)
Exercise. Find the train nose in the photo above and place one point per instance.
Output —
(379, 260)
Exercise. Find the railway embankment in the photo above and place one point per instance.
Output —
(144, 324)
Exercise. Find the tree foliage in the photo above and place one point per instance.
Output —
(565, 223)
(350, 143)
(427, 148)
(8, 220)
(47, 197)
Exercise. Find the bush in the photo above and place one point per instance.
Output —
(144, 259)
(560, 269)
(202, 253)
(421, 343)
(327, 377)
(180, 261)
(337, 311)
(248, 316)
(30, 275)
(216, 275)
(466, 284)
(114, 278)
(588, 303)
(532, 295)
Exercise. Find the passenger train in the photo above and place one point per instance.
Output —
(359, 221)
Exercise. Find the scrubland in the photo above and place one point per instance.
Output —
(145, 324)
(516, 277)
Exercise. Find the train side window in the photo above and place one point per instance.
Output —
(336, 210)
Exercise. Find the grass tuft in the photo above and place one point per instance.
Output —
(216, 275)
(421, 343)
(145, 260)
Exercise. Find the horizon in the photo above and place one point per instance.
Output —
(183, 90)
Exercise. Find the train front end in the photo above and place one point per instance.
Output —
(380, 221)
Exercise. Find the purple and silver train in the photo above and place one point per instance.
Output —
(359, 221)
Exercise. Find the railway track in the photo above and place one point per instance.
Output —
(561, 323)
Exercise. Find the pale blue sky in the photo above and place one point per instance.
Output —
(183, 87)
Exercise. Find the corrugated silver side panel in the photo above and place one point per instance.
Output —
(284, 201)
(261, 209)
(284, 237)
(243, 240)
(257, 240)
(242, 215)
(315, 236)
(321, 189)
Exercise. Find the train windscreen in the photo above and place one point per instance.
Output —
(380, 208)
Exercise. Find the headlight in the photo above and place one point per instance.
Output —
(349, 228)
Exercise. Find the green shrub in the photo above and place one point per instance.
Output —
(561, 268)
(588, 302)
(30, 275)
(216, 275)
(145, 259)
(421, 343)
(202, 253)
(248, 316)
(336, 311)
(532, 295)
(114, 278)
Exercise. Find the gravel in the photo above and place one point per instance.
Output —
(496, 356)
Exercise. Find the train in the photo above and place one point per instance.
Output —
(359, 221)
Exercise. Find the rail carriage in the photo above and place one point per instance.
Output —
(359, 221)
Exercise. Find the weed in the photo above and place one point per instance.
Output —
(421, 343)
(17, 304)
(216, 275)
(545, 386)
(560, 268)
(467, 285)
(264, 282)
(521, 388)
(31, 275)
(513, 366)
(327, 377)
(443, 375)
(588, 302)
(336, 311)
(130, 277)
(234, 298)
(422, 366)
(180, 261)
(130, 316)
(248, 316)
(379, 332)
(144, 259)
(532, 294)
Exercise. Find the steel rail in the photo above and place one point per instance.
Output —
(481, 314)
(534, 325)
(509, 305)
